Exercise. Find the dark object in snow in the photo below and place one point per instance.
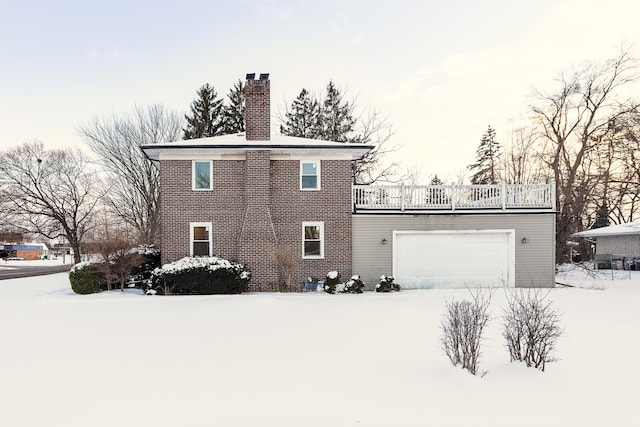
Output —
(353, 286)
(141, 274)
(331, 281)
(309, 286)
(200, 276)
(386, 284)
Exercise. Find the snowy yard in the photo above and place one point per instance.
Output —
(304, 360)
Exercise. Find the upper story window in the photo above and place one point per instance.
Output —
(309, 174)
(313, 240)
(200, 238)
(202, 173)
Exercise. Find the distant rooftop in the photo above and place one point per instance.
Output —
(629, 228)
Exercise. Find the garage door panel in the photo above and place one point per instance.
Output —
(453, 258)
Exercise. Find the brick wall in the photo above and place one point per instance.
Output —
(290, 207)
(248, 221)
(29, 255)
(223, 206)
(258, 237)
(258, 110)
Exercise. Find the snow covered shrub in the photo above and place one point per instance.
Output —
(200, 276)
(462, 326)
(331, 281)
(150, 260)
(353, 286)
(86, 279)
(386, 284)
(531, 327)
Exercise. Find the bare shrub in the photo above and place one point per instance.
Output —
(531, 327)
(118, 259)
(287, 260)
(462, 325)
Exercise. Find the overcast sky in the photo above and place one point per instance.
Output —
(441, 70)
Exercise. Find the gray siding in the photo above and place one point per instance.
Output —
(535, 265)
(619, 245)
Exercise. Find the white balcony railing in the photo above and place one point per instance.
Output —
(454, 197)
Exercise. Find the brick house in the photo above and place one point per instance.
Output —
(241, 196)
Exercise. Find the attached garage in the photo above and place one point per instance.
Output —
(454, 258)
(455, 250)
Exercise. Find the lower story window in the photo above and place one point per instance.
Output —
(313, 240)
(200, 238)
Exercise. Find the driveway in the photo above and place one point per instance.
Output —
(14, 271)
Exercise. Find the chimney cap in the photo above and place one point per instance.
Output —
(251, 76)
(264, 76)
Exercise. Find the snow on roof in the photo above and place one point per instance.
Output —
(237, 143)
(629, 228)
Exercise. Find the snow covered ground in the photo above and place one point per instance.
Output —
(116, 359)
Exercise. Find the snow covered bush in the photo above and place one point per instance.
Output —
(200, 276)
(86, 279)
(386, 284)
(353, 286)
(150, 260)
(331, 281)
(462, 326)
(531, 327)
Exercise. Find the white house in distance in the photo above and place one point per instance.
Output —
(620, 241)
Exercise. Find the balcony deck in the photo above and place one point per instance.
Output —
(506, 198)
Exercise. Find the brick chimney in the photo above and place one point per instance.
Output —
(258, 108)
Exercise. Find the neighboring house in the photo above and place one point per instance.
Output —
(622, 240)
(242, 196)
(27, 251)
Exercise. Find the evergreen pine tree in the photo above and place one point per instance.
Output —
(303, 118)
(332, 120)
(436, 196)
(234, 113)
(206, 115)
(487, 159)
(336, 119)
(436, 180)
(602, 217)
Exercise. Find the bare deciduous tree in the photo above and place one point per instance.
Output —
(132, 192)
(522, 162)
(375, 166)
(570, 121)
(49, 192)
(118, 257)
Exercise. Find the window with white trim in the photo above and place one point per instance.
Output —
(200, 238)
(202, 173)
(310, 174)
(313, 240)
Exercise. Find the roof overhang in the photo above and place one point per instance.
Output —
(628, 229)
(281, 147)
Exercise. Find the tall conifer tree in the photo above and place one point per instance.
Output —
(332, 119)
(234, 112)
(488, 155)
(206, 115)
(336, 119)
(303, 119)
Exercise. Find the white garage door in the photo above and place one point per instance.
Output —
(454, 258)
